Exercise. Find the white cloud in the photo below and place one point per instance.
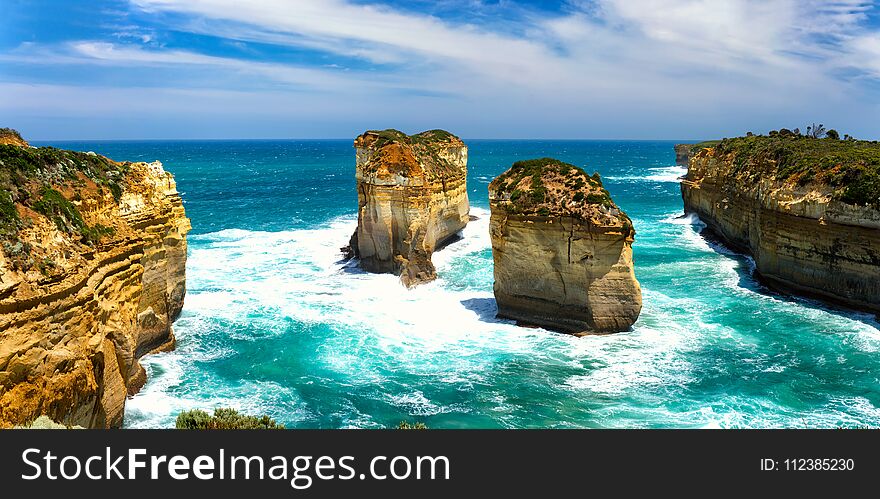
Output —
(89, 52)
(738, 32)
(865, 53)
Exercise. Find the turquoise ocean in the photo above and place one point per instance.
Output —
(274, 323)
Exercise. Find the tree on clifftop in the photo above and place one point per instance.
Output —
(816, 131)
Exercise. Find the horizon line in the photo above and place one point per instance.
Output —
(351, 139)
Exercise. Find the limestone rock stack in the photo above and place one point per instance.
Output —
(562, 250)
(412, 198)
(806, 209)
(92, 273)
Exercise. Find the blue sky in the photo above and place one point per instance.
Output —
(629, 69)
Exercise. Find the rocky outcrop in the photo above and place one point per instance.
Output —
(683, 154)
(11, 137)
(562, 250)
(92, 273)
(802, 207)
(412, 198)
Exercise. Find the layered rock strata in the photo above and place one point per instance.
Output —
(412, 199)
(806, 209)
(562, 250)
(92, 274)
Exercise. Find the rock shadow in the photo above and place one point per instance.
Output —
(485, 308)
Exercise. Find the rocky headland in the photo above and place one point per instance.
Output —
(683, 154)
(92, 274)
(412, 199)
(562, 250)
(807, 209)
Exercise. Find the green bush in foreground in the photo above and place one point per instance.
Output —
(224, 419)
(406, 425)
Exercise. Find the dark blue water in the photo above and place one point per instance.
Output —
(273, 322)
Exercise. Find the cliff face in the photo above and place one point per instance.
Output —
(412, 197)
(562, 250)
(92, 273)
(683, 154)
(805, 216)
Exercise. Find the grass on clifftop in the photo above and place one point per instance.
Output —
(547, 186)
(426, 137)
(852, 167)
(424, 147)
(34, 178)
(583, 186)
(703, 145)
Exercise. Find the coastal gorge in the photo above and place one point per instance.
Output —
(92, 274)
(807, 210)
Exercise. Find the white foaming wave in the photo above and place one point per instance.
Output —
(739, 412)
(449, 335)
(156, 405)
(679, 218)
(657, 174)
(298, 275)
(433, 332)
(475, 238)
(859, 330)
(667, 174)
(652, 355)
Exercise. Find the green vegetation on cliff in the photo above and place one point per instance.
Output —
(544, 173)
(852, 167)
(548, 187)
(429, 136)
(703, 145)
(425, 148)
(224, 419)
(34, 178)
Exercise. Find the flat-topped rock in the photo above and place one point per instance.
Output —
(412, 198)
(562, 250)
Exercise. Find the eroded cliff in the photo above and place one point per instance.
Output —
(92, 273)
(412, 198)
(683, 154)
(806, 209)
(562, 250)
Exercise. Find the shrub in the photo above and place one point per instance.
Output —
(57, 208)
(832, 134)
(595, 198)
(405, 425)
(223, 419)
(9, 219)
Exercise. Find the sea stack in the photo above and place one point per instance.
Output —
(92, 273)
(807, 209)
(562, 250)
(412, 199)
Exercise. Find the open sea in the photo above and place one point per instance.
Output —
(274, 323)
